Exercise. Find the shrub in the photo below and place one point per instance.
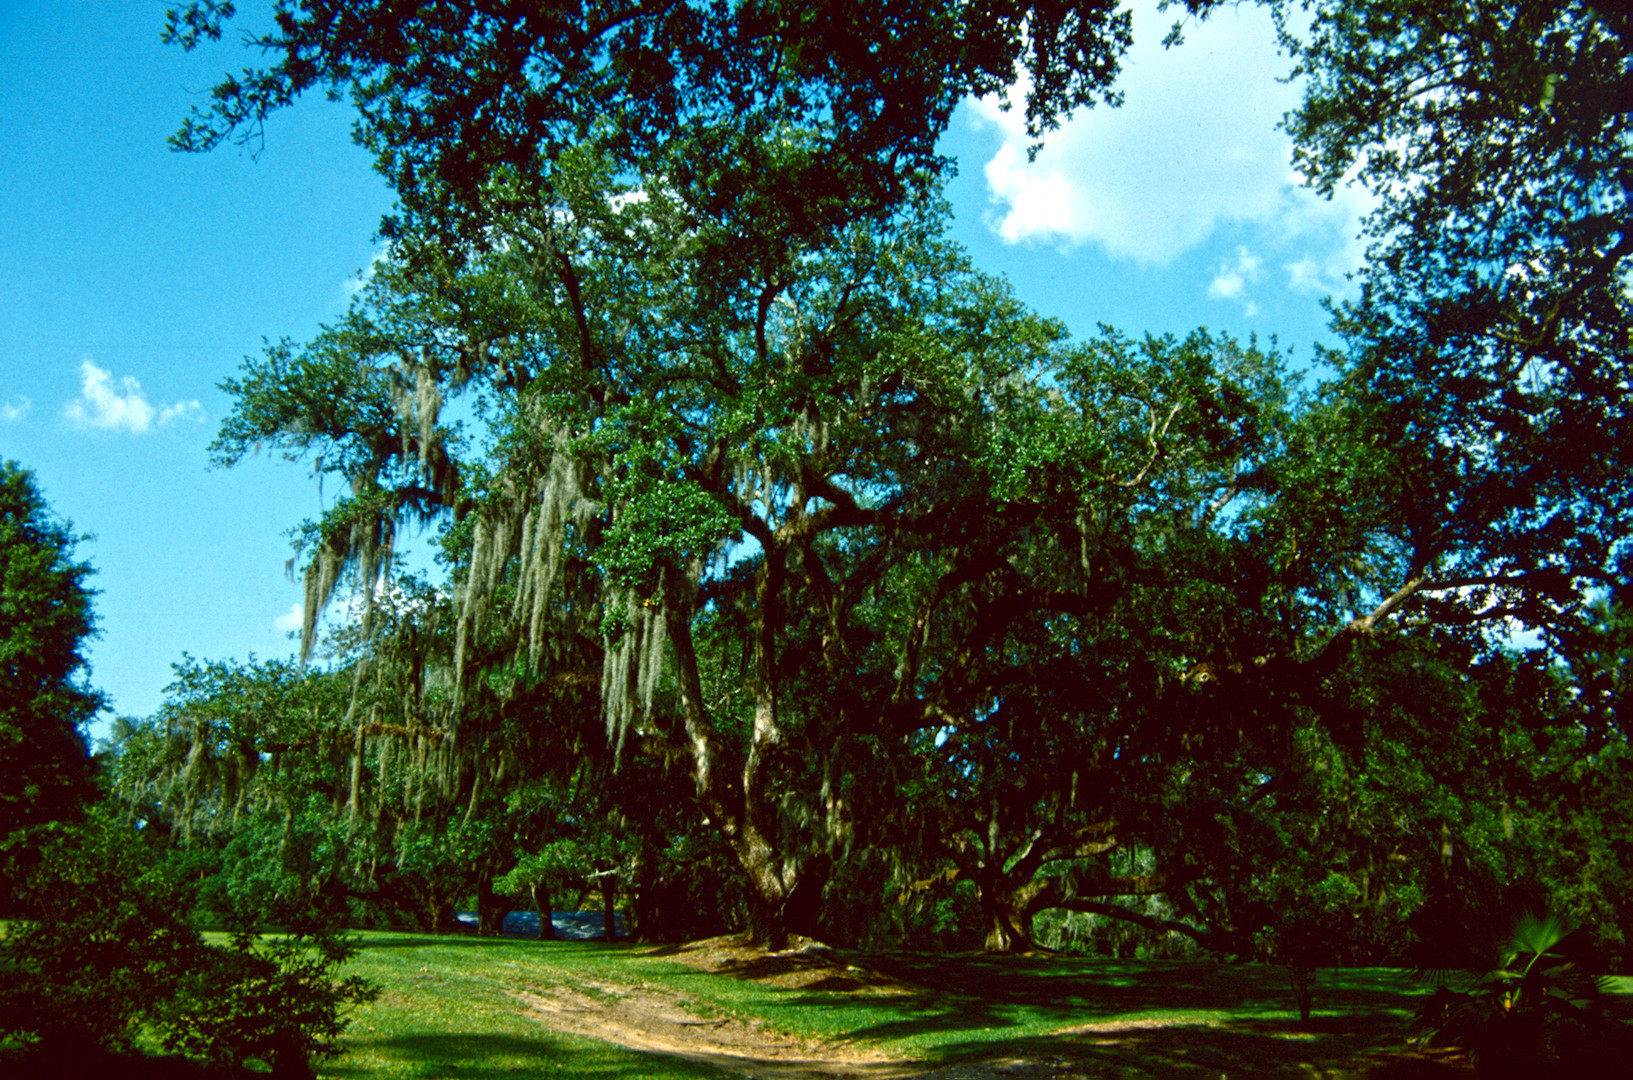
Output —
(100, 940)
(273, 1000)
(1541, 1011)
(104, 951)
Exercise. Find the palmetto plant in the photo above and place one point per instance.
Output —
(1544, 1008)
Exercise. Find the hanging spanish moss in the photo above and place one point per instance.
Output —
(631, 666)
(360, 533)
(530, 522)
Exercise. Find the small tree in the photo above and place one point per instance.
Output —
(107, 951)
(102, 941)
(1312, 923)
(544, 874)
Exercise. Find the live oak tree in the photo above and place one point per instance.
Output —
(1113, 559)
(1488, 347)
(804, 410)
(738, 399)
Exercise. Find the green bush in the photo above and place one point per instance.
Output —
(273, 1000)
(100, 941)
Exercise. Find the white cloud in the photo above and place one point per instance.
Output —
(13, 411)
(1235, 278)
(1322, 235)
(291, 619)
(121, 406)
(181, 410)
(1194, 147)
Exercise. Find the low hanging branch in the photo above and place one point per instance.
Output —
(1201, 935)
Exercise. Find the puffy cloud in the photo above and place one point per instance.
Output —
(1194, 147)
(12, 411)
(107, 405)
(289, 620)
(181, 410)
(1234, 278)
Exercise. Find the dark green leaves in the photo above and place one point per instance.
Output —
(45, 619)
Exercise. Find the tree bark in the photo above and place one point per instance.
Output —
(1007, 920)
(608, 884)
(741, 815)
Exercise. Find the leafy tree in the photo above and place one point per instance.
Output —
(100, 945)
(276, 1001)
(594, 534)
(46, 774)
(1061, 699)
(106, 952)
(830, 518)
(105, 942)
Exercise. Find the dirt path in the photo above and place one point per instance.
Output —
(661, 1021)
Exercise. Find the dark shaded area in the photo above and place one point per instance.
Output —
(1360, 1026)
(1086, 992)
(80, 1061)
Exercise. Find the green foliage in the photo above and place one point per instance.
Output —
(1488, 344)
(769, 119)
(559, 863)
(871, 579)
(285, 871)
(45, 620)
(103, 940)
(106, 955)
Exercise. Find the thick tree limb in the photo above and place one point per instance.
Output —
(1201, 935)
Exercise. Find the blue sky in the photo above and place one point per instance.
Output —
(134, 279)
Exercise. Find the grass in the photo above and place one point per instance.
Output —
(446, 1011)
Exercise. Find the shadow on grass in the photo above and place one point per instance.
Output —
(1135, 1018)
(504, 1057)
(1119, 986)
(1231, 1048)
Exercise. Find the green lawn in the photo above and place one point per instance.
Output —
(447, 1010)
